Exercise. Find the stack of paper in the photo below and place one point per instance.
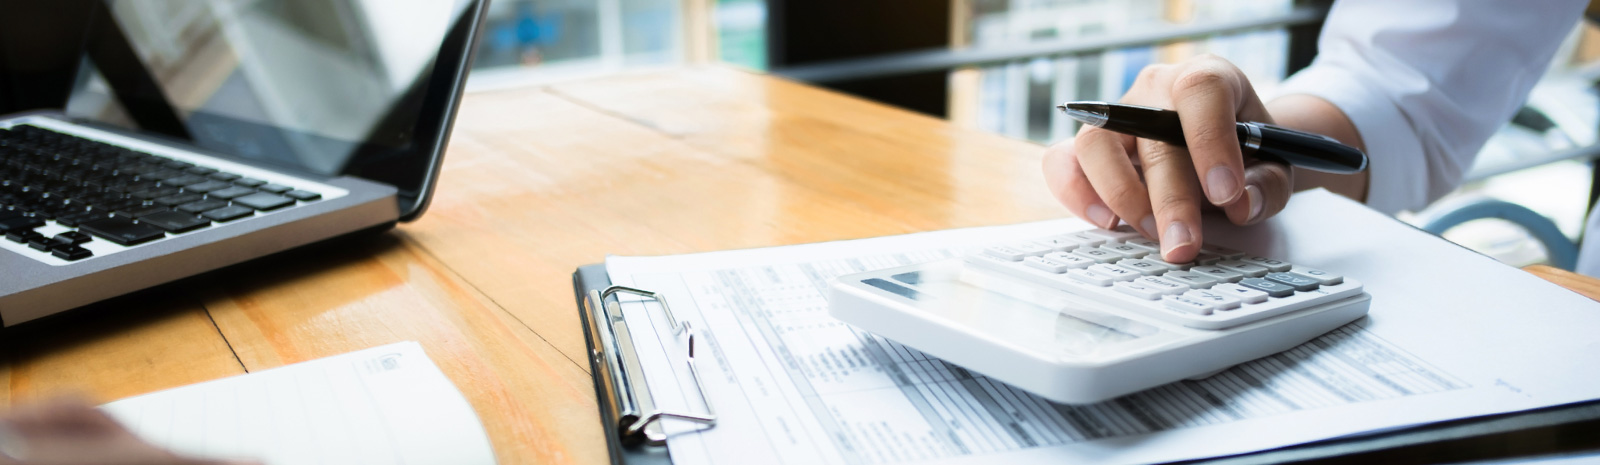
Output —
(384, 405)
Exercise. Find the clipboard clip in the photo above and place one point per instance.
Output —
(628, 395)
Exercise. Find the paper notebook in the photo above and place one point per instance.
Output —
(384, 405)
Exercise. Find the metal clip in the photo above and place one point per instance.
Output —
(634, 407)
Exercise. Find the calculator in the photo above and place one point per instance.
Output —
(1090, 315)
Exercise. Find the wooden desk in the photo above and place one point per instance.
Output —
(538, 182)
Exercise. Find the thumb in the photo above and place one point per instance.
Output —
(1267, 189)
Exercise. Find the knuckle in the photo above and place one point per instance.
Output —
(1203, 80)
(1174, 203)
(1152, 73)
(1124, 194)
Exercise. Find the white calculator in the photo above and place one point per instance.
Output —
(1091, 315)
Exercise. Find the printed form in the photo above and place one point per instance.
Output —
(792, 385)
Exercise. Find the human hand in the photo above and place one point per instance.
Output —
(70, 431)
(1159, 188)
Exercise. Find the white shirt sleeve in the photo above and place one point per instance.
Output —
(1426, 82)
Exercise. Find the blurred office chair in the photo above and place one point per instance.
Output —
(1561, 252)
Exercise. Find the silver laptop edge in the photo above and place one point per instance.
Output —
(34, 286)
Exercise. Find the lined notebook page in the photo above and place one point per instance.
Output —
(384, 405)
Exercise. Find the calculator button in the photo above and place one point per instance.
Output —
(1072, 261)
(1204, 258)
(1187, 305)
(1299, 283)
(1114, 252)
(1224, 252)
(1175, 266)
(1054, 265)
(1247, 269)
(1006, 252)
(1091, 277)
(1033, 248)
(1272, 288)
(1326, 278)
(1117, 235)
(1268, 263)
(1060, 244)
(1140, 290)
(1248, 295)
(1086, 240)
(1098, 255)
(1192, 279)
(1164, 285)
(1144, 267)
(1115, 272)
(1222, 274)
(1129, 250)
(1148, 245)
(1217, 300)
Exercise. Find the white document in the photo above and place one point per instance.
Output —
(1450, 334)
(384, 405)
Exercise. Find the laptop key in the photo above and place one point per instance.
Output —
(207, 186)
(41, 243)
(72, 252)
(72, 237)
(303, 196)
(142, 210)
(230, 193)
(185, 180)
(23, 236)
(275, 188)
(179, 199)
(175, 222)
(248, 182)
(224, 177)
(228, 213)
(26, 222)
(263, 201)
(123, 231)
(202, 206)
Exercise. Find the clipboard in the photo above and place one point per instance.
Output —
(631, 419)
(1550, 431)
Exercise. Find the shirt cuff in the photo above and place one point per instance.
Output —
(1394, 152)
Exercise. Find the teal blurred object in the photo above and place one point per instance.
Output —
(1562, 252)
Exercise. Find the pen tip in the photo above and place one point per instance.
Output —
(1090, 113)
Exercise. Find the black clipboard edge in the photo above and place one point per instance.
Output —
(584, 279)
(1545, 432)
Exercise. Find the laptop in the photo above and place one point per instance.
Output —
(161, 140)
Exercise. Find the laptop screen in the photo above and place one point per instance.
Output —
(365, 88)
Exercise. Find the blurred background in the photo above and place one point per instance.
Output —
(1002, 66)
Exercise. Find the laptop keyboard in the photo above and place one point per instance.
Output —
(80, 190)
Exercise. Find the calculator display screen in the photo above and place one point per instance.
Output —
(1041, 319)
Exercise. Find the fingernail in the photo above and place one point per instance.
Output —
(1148, 226)
(1253, 195)
(1100, 216)
(1221, 186)
(1177, 236)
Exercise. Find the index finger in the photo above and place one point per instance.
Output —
(1208, 96)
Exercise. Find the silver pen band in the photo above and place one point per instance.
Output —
(1252, 139)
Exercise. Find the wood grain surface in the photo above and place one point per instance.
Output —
(537, 182)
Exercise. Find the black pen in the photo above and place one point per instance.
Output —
(1260, 140)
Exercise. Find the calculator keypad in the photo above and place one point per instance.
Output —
(1220, 289)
